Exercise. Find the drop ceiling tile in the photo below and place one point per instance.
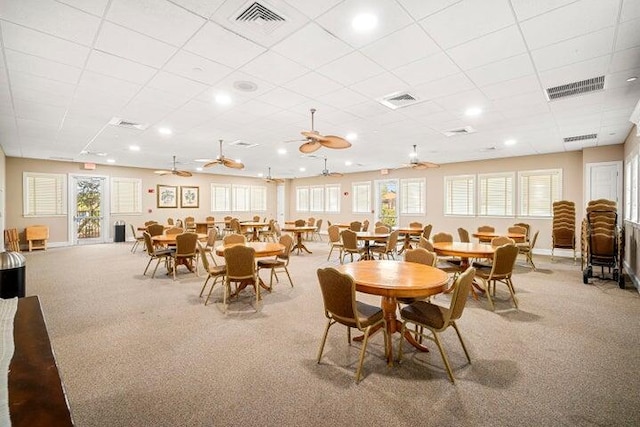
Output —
(391, 17)
(312, 84)
(350, 69)
(443, 87)
(128, 44)
(517, 86)
(94, 87)
(159, 19)
(423, 110)
(575, 50)
(227, 86)
(343, 98)
(575, 72)
(458, 103)
(283, 98)
(525, 112)
(197, 68)
(625, 59)
(95, 7)
(628, 35)
(53, 18)
(380, 85)
(168, 100)
(368, 109)
(30, 94)
(448, 29)
(630, 10)
(47, 114)
(487, 49)
(619, 79)
(204, 8)
(120, 68)
(313, 8)
(275, 68)
(144, 112)
(175, 84)
(526, 9)
(29, 82)
(34, 43)
(312, 46)
(418, 9)
(402, 47)
(570, 21)
(21, 63)
(506, 69)
(223, 46)
(428, 69)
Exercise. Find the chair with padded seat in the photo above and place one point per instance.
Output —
(425, 244)
(157, 254)
(519, 230)
(186, 252)
(365, 225)
(335, 241)
(504, 259)
(485, 229)
(448, 264)
(526, 248)
(426, 231)
(241, 269)
(316, 232)
(437, 319)
(341, 306)
(155, 229)
(355, 226)
(190, 224)
(138, 239)
(280, 262)
(419, 256)
(214, 272)
(231, 239)
(209, 248)
(389, 249)
(463, 234)
(350, 245)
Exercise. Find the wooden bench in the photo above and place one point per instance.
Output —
(37, 236)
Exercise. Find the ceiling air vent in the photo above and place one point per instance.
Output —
(460, 131)
(117, 121)
(398, 100)
(243, 144)
(575, 88)
(580, 137)
(260, 17)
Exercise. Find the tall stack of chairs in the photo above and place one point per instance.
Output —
(563, 231)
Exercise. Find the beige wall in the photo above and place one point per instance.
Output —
(571, 163)
(3, 193)
(631, 229)
(59, 226)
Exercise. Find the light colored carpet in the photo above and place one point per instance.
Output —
(136, 351)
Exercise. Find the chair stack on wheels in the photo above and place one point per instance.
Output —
(602, 242)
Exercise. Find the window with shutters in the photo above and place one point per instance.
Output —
(302, 199)
(627, 190)
(361, 197)
(332, 198)
(538, 190)
(316, 198)
(459, 195)
(634, 189)
(258, 198)
(496, 194)
(220, 197)
(44, 194)
(413, 196)
(241, 198)
(126, 196)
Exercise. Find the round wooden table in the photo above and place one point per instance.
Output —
(465, 251)
(408, 232)
(263, 249)
(170, 239)
(392, 280)
(298, 232)
(486, 236)
(367, 237)
(256, 225)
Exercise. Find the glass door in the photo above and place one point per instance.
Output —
(386, 198)
(88, 225)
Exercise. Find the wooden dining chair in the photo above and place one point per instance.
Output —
(280, 262)
(436, 318)
(185, 252)
(241, 268)
(341, 306)
(214, 272)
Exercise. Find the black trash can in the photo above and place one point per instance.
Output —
(119, 235)
(12, 275)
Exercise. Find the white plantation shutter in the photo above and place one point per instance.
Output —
(538, 191)
(459, 195)
(332, 198)
(258, 198)
(634, 189)
(627, 190)
(495, 195)
(302, 199)
(220, 198)
(316, 199)
(44, 194)
(126, 196)
(241, 198)
(412, 196)
(361, 197)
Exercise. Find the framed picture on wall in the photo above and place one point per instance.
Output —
(189, 197)
(167, 196)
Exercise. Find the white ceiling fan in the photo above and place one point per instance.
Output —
(174, 171)
(222, 160)
(270, 179)
(313, 140)
(417, 164)
(325, 171)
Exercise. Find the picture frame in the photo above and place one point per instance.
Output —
(167, 196)
(189, 197)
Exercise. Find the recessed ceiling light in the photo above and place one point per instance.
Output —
(632, 79)
(364, 22)
(245, 86)
(510, 142)
(199, 169)
(134, 148)
(351, 136)
(473, 111)
(260, 175)
(164, 131)
(282, 151)
(348, 163)
(111, 161)
(222, 99)
(303, 169)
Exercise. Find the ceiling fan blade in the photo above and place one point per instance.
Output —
(332, 141)
(162, 172)
(314, 135)
(232, 164)
(213, 163)
(309, 147)
(425, 165)
(295, 140)
(185, 174)
(335, 174)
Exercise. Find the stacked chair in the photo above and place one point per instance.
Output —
(563, 231)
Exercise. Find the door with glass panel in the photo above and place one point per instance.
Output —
(386, 201)
(88, 221)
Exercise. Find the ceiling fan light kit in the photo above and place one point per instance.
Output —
(270, 179)
(414, 163)
(174, 171)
